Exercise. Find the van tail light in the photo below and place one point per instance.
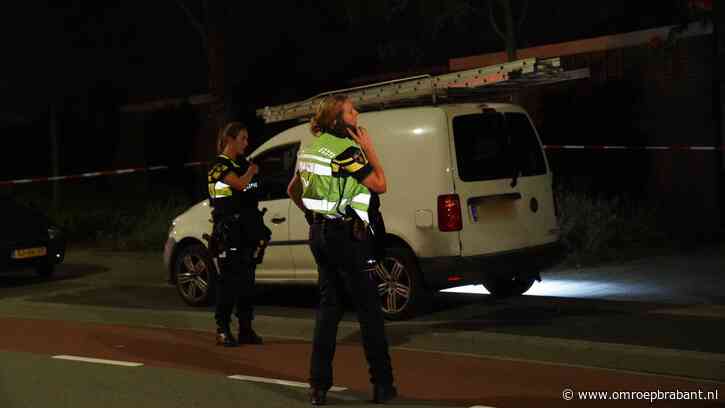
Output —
(556, 204)
(449, 213)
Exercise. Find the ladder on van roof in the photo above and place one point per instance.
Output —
(422, 89)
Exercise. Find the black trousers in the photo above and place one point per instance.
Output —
(235, 282)
(343, 265)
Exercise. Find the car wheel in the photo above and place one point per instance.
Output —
(45, 270)
(195, 275)
(509, 286)
(400, 285)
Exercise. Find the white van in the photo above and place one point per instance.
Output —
(469, 201)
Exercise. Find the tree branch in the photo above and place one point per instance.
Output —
(523, 15)
(195, 22)
(492, 18)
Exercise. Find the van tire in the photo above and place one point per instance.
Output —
(509, 286)
(399, 269)
(195, 275)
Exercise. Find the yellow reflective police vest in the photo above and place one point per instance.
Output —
(218, 189)
(327, 186)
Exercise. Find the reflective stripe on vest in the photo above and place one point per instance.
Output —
(220, 189)
(360, 204)
(316, 168)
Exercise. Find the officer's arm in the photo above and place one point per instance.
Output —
(241, 182)
(375, 180)
(294, 191)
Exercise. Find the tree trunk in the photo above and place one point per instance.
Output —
(216, 18)
(54, 156)
(510, 30)
(508, 35)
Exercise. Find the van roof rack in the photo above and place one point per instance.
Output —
(425, 89)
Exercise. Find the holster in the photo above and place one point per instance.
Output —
(360, 229)
(378, 227)
(245, 231)
(218, 241)
(213, 244)
(255, 234)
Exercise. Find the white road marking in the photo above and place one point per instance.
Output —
(481, 406)
(703, 355)
(98, 361)
(279, 382)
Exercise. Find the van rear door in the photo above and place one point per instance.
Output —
(499, 172)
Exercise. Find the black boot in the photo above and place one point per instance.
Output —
(384, 393)
(318, 396)
(224, 338)
(247, 334)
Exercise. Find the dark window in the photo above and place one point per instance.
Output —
(276, 167)
(526, 146)
(493, 146)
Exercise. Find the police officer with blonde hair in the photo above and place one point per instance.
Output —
(333, 183)
(239, 235)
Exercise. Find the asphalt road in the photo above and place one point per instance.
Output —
(641, 326)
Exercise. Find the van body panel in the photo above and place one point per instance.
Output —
(193, 223)
(412, 144)
(277, 262)
(498, 214)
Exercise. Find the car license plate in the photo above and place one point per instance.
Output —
(29, 253)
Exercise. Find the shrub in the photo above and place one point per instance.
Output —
(149, 230)
(131, 227)
(599, 229)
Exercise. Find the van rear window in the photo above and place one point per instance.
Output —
(492, 146)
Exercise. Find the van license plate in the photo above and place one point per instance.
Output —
(29, 253)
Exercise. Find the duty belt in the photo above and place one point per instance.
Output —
(227, 217)
(318, 218)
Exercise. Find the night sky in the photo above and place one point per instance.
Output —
(95, 55)
(150, 49)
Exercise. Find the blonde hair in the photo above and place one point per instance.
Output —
(328, 112)
(230, 131)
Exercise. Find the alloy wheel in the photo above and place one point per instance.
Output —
(393, 284)
(193, 278)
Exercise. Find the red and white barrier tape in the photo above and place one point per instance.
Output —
(615, 147)
(200, 163)
(95, 174)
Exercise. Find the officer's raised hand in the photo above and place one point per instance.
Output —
(375, 181)
(253, 169)
(360, 136)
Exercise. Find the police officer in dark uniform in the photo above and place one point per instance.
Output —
(239, 235)
(336, 179)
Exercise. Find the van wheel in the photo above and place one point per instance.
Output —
(400, 285)
(509, 286)
(195, 275)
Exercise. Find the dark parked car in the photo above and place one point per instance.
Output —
(28, 239)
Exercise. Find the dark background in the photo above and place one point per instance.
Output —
(80, 63)
(151, 49)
